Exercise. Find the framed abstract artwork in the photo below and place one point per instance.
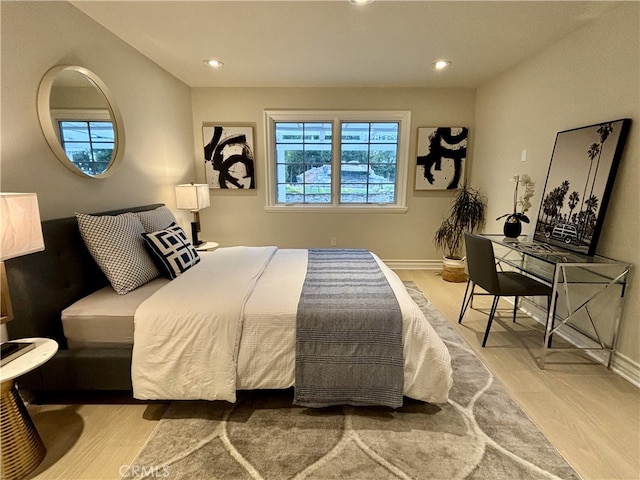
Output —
(228, 155)
(441, 158)
(579, 183)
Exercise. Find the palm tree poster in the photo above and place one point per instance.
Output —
(228, 156)
(578, 186)
(442, 153)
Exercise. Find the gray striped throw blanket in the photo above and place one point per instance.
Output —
(348, 333)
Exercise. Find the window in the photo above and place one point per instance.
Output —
(337, 160)
(87, 138)
(303, 162)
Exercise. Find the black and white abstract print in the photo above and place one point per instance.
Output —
(228, 156)
(440, 162)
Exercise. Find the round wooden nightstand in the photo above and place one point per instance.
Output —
(22, 448)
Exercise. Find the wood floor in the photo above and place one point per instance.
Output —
(591, 415)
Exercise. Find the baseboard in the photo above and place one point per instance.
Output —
(414, 264)
(620, 364)
(626, 368)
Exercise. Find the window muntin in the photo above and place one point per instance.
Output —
(368, 151)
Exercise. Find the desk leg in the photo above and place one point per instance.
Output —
(22, 448)
(550, 318)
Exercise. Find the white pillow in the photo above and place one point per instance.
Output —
(158, 219)
(173, 250)
(116, 244)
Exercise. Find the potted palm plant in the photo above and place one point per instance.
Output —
(467, 214)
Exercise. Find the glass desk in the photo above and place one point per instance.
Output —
(588, 291)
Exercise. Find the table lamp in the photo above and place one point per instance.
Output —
(21, 235)
(194, 197)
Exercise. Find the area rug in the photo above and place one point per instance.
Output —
(481, 433)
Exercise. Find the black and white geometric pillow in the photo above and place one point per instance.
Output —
(116, 245)
(158, 219)
(173, 250)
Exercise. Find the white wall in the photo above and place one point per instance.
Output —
(238, 217)
(589, 77)
(155, 106)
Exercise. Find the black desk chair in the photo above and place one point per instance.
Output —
(482, 269)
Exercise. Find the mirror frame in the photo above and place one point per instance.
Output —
(49, 129)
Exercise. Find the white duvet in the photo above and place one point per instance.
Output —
(229, 322)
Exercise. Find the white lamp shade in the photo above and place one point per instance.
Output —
(21, 229)
(192, 196)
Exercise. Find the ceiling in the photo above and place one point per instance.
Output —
(333, 43)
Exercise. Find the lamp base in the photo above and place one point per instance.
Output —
(22, 448)
(194, 234)
(6, 311)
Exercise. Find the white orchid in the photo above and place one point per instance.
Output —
(522, 203)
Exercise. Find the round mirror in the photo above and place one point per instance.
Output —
(81, 121)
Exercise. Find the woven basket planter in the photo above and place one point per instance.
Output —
(454, 270)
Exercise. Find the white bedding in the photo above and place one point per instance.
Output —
(228, 323)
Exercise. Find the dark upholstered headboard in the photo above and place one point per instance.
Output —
(45, 283)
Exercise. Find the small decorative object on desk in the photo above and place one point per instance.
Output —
(513, 223)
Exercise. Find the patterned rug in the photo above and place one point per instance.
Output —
(480, 433)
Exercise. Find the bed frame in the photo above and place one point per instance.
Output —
(45, 283)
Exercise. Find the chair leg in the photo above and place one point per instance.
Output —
(494, 306)
(466, 301)
(515, 308)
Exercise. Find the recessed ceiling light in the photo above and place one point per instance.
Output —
(441, 64)
(213, 63)
(361, 2)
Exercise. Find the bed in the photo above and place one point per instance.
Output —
(153, 341)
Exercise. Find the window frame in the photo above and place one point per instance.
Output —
(337, 117)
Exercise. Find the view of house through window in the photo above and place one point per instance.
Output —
(365, 155)
(368, 162)
(88, 144)
(303, 162)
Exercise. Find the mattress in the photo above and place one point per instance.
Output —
(104, 319)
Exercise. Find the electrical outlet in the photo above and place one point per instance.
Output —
(334, 241)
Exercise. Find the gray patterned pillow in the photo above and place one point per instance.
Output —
(158, 219)
(117, 246)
